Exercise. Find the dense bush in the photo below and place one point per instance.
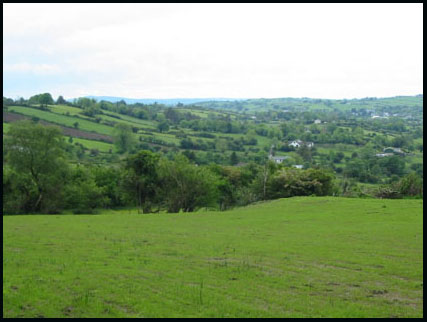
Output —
(185, 186)
(290, 182)
(410, 185)
(81, 193)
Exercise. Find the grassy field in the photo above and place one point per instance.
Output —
(62, 109)
(297, 257)
(64, 120)
(131, 120)
(91, 144)
(5, 127)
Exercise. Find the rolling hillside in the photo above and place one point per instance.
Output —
(238, 132)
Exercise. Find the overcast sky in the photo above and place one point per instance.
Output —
(213, 50)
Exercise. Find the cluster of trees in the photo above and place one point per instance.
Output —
(42, 100)
(219, 144)
(368, 168)
(38, 179)
(215, 124)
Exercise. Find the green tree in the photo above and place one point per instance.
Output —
(82, 193)
(61, 100)
(7, 101)
(42, 99)
(185, 186)
(123, 137)
(140, 178)
(234, 159)
(163, 126)
(393, 165)
(107, 178)
(305, 152)
(35, 153)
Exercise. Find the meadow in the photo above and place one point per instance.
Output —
(64, 120)
(91, 144)
(295, 257)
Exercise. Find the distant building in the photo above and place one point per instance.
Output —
(298, 166)
(278, 159)
(317, 121)
(394, 150)
(381, 155)
(296, 143)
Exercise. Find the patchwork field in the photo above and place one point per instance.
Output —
(64, 120)
(297, 257)
(12, 117)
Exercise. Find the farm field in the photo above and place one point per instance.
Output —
(5, 127)
(130, 119)
(295, 257)
(60, 119)
(91, 144)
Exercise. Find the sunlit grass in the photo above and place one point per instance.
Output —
(297, 257)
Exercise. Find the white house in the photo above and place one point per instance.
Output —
(296, 143)
(317, 121)
(279, 159)
(394, 150)
(298, 166)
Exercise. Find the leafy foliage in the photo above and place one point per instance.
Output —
(35, 152)
(185, 186)
(123, 137)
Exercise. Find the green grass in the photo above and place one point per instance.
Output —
(62, 109)
(297, 257)
(84, 125)
(204, 114)
(132, 120)
(92, 144)
(5, 127)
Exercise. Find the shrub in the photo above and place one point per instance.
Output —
(410, 185)
(81, 192)
(290, 182)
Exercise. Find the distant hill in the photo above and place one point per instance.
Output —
(166, 101)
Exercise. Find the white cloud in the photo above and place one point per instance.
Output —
(39, 69)
(208, 50)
